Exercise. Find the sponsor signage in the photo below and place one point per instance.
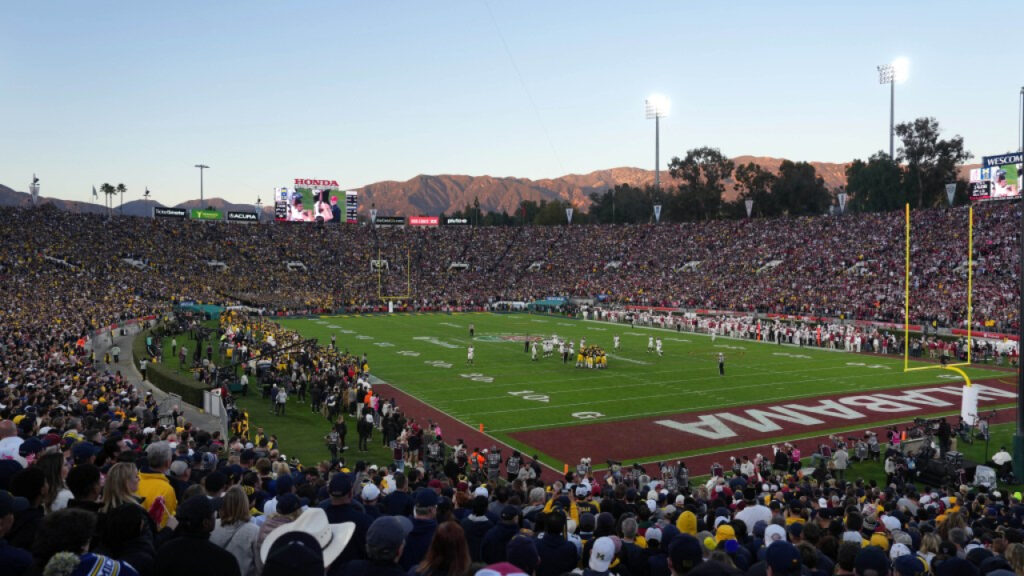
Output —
(243, 217)
(197, 214)
(423, 220)
(456, 221)
(161, 212)
(999, 178)
(308, 182)
(389, 220)
(1012, 158)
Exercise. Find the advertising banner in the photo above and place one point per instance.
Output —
(456, 221)
(308, 200)
(197, 214)
(389, 220)
(422, 220)
(235, 216)
(999, 178)
(162, 212)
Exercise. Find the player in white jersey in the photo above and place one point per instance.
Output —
(657, 346)
(533, 351)
(650, 343)
(615, 339)
(469, 356)
(713, 333)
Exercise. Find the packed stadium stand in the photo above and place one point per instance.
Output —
(79, 445)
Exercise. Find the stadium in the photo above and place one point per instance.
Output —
(742, 366)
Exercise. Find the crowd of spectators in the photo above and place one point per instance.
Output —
(94, 479)
(850, 266)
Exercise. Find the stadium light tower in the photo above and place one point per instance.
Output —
(201, 168)
(657, 107)
(891, 74)
(1018, 437)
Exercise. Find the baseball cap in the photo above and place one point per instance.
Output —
(341, 485)
(774, 533)
(602, 554)
(10, 504)
(197, 508)
(500, 569)
(653, 534)
(509, 512)
(426, 498)
(370, 492)
(909, 565)
(871, 558)
(685, 553)
(289, 503)
(388, 532)
(783, 558)
(521, 551)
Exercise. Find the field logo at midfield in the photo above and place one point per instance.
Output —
(450, 325)
(787, 418)
(507, 338)
(435, 341)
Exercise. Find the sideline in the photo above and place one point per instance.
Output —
(126, 366)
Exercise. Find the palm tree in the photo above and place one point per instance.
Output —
(108, 190)
(121, 190)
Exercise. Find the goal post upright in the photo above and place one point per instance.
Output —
(408, 278)
(969, 393)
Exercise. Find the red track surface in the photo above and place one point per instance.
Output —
(642, 439)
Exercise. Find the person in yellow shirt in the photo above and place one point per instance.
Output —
(154, 487)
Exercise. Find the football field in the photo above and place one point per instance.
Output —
(643, 407)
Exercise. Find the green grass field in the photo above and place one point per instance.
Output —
(425, 356)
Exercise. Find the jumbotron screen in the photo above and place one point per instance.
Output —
(999, 178)
(310, 200)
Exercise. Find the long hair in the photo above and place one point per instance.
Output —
(235, 508)
(448, 551)
(116, 490)
(52, 465)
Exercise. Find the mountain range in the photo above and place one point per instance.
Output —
(435, 194)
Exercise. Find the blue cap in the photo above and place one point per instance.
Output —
(341, 484)
(426, 497)
(783, 558)
(388, 532)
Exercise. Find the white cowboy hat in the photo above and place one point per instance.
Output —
(332, 537)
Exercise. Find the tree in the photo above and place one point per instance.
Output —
(701, 175)
(121, 189)
(622, 204)
(799, 190)
(755, 183)
(931, 163)
(108, 191)
(875, 185)
(552, 213)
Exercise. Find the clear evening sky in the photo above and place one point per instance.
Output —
(268, 91)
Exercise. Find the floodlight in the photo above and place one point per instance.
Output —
(900, 69)
(657, 106)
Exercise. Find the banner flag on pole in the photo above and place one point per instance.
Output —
(950, 192)
(568, 215)
(657, 213)
(750, 206)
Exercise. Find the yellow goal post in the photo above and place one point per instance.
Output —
(906, 302)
